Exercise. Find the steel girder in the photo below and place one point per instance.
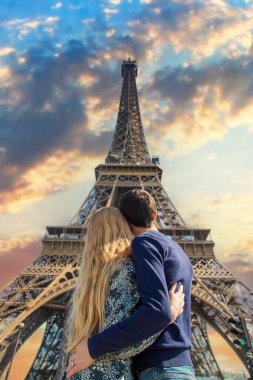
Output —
(217, 294)
(49, 359)
(203, 358)
(41, 292)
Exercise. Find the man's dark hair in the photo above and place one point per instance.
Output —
(138, 207)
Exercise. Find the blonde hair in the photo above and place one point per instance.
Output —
(107, 244)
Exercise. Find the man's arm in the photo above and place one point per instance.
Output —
(154, 313)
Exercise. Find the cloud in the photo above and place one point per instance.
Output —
(199, 28)
(196, 104)
(55, 110)
(115, 2)
(55, 173)
(6, 50)
(68, 102)
(24, 26)
(230, 221)
(15, 243)
(242, 268)
(110, 11)
(26, 249)
(5, 72)
(111, 32)
(57, 5)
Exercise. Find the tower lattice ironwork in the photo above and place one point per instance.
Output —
(40, 293)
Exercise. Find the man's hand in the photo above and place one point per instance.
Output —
(176, 301)
(80, 359)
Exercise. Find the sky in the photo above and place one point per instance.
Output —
(60, 86)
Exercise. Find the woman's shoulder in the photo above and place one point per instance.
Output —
(122, 293)
(124, 269)
(123, 276)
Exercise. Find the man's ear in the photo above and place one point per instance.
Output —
(131, 227)
(155, 215)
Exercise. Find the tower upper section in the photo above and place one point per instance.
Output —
(129, 144)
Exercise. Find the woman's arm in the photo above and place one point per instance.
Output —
(131, 351)
(121, 301)
(123, 289)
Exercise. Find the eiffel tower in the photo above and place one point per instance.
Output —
(41, 292)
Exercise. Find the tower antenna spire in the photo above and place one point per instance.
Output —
(129, 144)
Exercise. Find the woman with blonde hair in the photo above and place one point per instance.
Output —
(106, 293)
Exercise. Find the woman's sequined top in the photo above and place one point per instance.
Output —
(122, 299)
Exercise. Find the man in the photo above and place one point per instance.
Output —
(159, 263)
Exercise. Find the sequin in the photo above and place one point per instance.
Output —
(121, 301)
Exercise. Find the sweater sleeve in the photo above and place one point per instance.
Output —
(131, 351)
(154, 312)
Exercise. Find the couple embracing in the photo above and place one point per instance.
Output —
(130, 311)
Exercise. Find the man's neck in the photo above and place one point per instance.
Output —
(139, 230)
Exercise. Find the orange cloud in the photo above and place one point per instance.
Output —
(15, 243)
(56, 173)
(229, 216)
(22, 60)
(199, 111)
(188, 131)
(87, 80)
(9, 82)
(6, 50)
(99, 116)
(202, 30)
(22, 251)
(5, 72)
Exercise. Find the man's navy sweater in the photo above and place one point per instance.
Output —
(159, 263)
